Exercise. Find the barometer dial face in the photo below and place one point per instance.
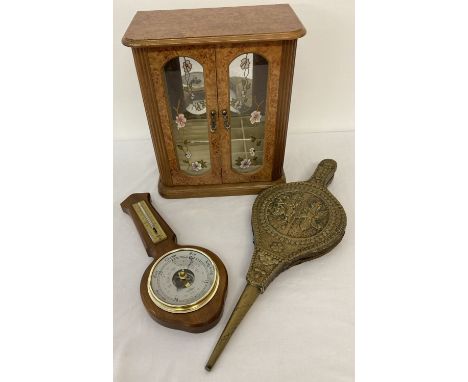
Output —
(183, 280)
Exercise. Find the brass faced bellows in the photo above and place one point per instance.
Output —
(292, 223)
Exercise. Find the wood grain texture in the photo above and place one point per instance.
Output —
(148, 92)
(271, 51)
(152, 249)
(206, 57)
(213, 25)
(288, 57)
(214, 37)
(197, 321)
(250, 188)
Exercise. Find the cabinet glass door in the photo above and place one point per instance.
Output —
(248, 81)
(185, 85)
(248, 76)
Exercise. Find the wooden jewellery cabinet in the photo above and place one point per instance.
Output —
(216, 85)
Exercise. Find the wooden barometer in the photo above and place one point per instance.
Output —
(185, 286)
(216, 86)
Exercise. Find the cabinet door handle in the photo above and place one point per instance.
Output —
(227, 125)
(213, 121)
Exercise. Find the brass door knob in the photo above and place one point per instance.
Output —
(227, 125)
(213, 121)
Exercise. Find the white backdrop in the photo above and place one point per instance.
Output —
(411, 316)
(300, 329)
(323, 93)
(303, 329)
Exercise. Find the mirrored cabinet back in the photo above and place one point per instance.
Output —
(216, 85)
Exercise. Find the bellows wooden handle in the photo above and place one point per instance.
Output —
(323, 174)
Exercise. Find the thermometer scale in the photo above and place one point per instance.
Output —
(185, 286)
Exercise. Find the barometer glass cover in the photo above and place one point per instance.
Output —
(183, 280)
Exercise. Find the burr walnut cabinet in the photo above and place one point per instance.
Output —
(216, 85)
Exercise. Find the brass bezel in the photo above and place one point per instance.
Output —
(202, 301)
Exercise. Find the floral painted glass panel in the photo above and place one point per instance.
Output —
(248, 76)
(186, 94)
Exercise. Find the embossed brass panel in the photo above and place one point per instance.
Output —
(292, 223)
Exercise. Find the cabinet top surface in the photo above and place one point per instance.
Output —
(213, 25)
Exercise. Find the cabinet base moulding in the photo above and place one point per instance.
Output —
(226, 189)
